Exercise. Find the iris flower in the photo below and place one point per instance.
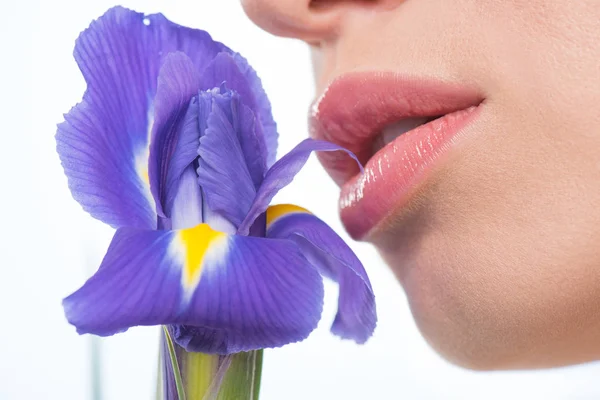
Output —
(174, 145)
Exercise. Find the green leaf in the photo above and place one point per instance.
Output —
(174, 365)
(242, 379)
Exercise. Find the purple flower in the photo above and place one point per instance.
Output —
(174, 146)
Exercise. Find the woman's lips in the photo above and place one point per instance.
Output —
(354, 111)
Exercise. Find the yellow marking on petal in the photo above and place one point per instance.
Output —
(197, 241)
(145, 176)
(141, 166)
(277, 211)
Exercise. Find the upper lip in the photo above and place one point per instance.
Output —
(356, 107)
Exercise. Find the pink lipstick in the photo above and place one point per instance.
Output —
(398, 127)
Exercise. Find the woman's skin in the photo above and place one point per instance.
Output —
(498, 249)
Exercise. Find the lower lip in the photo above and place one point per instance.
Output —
(396, 171)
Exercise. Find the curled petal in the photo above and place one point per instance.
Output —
(103, 143)
(175, 132)
(222, 169)
(233, 293)
(356, 317)
(234, 70)
(282, 173)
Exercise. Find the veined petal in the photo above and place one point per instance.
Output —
(232, 293)
(103, 143)
(282, 173)
(356, 317)
(260, 145)
(222, 169)
(183, 157)
(265, 295)
(175, 133)
(140, 282)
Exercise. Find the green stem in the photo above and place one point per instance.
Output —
(198, 376)
(258, 362)
(200, 372)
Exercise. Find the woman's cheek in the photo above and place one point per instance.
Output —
(499, 256)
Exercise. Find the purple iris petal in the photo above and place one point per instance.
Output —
(267, 295)
(103, 142)
(261, 147)
(243, 293)
(222, 169)
(356, 317)
(178, 82)
(184, 155)
(137, 284)
(282, 173)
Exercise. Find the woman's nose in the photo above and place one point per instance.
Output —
(308, 20)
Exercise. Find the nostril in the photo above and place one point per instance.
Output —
(382, 5)
(310, 20)
(323, 4)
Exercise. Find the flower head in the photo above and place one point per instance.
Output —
(174, 145)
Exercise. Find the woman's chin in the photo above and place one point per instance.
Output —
(485, 303)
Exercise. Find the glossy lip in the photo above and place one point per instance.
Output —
(352, 112)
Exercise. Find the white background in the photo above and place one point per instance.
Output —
(49, 245)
